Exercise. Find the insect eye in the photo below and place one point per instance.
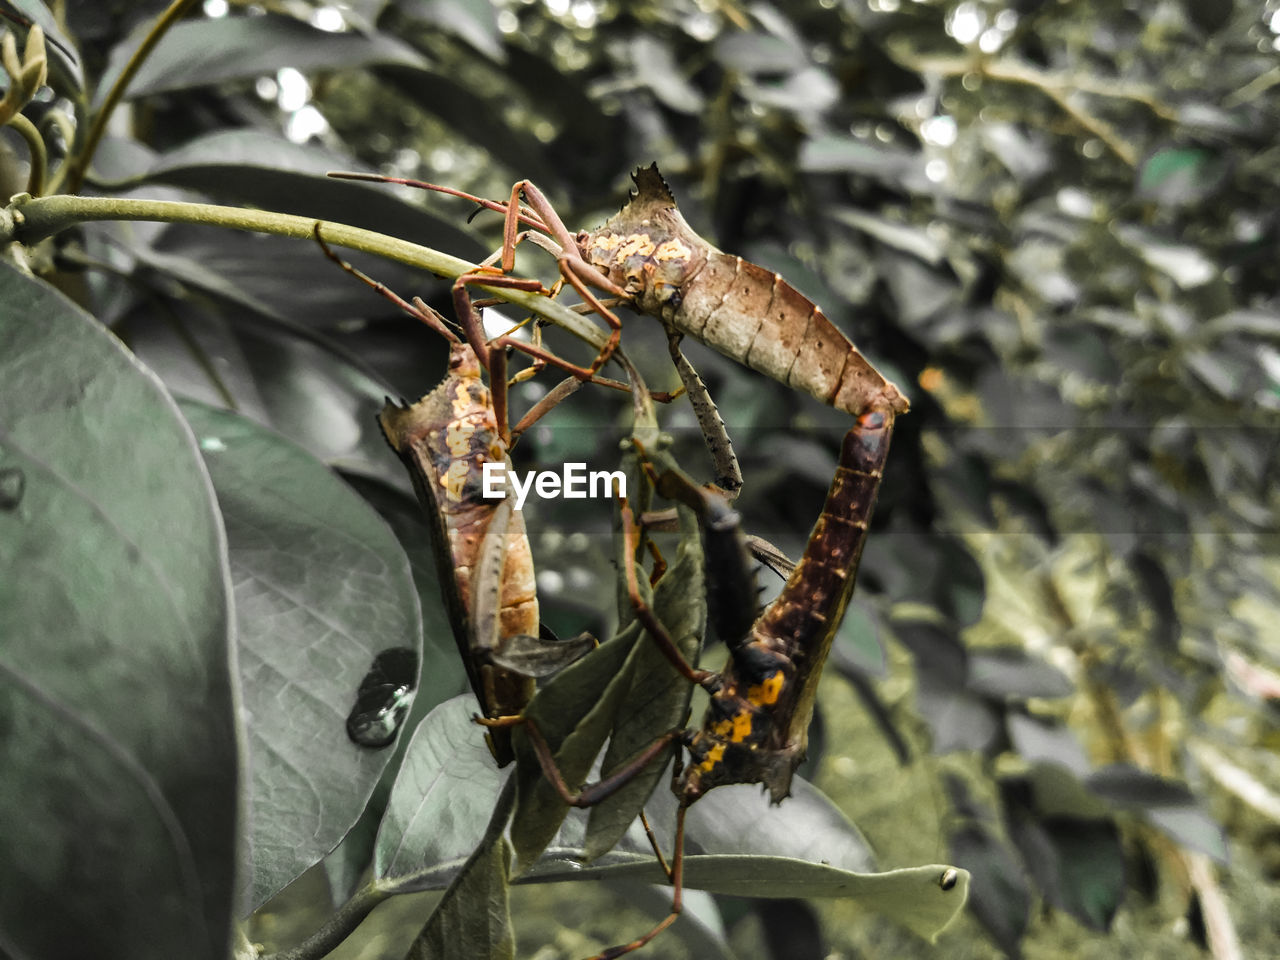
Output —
(950, 877)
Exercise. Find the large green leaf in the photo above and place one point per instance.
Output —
(443, 796)
(289, 278)
(322, 587)
(923, 899)
(201, 52)
(120, 790)
(293, 381)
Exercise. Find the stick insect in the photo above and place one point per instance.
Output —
(756, 726)
(648, 257)
(445, 439)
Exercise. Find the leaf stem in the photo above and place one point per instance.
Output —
(29, 220)
(39, 157)
(338, 927)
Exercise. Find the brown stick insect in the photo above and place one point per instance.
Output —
(648, 257)
(445, 439)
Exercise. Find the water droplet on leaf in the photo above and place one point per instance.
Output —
(13, 484)
(383, 701)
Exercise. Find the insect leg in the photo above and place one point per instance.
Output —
(731, 583)
(590, 794)
(525, 216)
(573, 266)
(418, 309)
(657, 632)
(728, 473)
(677, 898)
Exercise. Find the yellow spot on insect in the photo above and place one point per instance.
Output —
(461, 403)
(636, 245)
(672, 250)
(741, 727)
(457, 438)
(766, 693)
(721, 728)
(714, 756)
(455, 480)
(606, 244)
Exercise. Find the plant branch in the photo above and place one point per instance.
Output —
(29, 220)
(1224, 942)
(1057, 87)
(337, 927)
(80, 165)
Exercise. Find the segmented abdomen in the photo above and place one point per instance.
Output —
(752, 315)
(445, 439)
(756, 727)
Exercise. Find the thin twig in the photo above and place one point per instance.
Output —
(39, 156)
(1057, 87)
(1224, 942)
(80, 166)
(1237, 781)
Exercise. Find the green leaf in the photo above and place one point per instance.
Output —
(740, 819)
(474, 917)
(655, 68)
(574, 712)
(857, 643)
(448, 786)
(197, 53)
(443, 675)
(292, 381)
(475, 21)
(120, 755)
(476, 117)
(912, 897)
(1001, 672)
(658, 700)
(1187, 266)
(1253, 322)
(833, 153)
(290, 279)
(322, 587)
(757, 52)
(1090, 868)
(999, 895)
(1168, 804)
(66, 74)
(442, 798)
(1077, 862)
(1181, 176)
(1040, 741)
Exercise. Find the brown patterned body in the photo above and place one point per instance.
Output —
(445, 439)
(741, 309)
(756, 726)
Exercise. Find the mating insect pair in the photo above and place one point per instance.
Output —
(755, 730)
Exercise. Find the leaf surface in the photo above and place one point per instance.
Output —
(120, 752)
(322, 587)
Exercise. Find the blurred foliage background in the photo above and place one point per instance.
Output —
(1055, 225)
